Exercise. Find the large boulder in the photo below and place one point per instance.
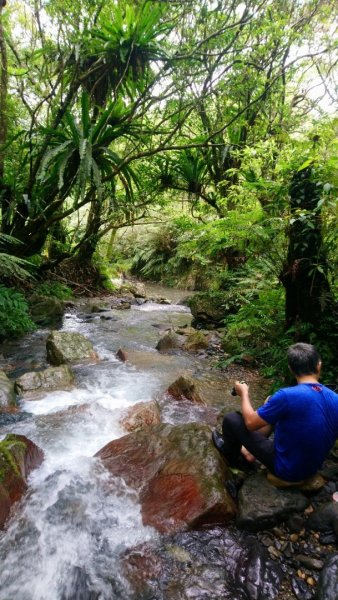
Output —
(261, 505)
(46, 310)
(178, 473)
(186, 388)
(7, 394)
(39, 382)
(18, 457)
(211, 308)
(68, 347)
(141, 415)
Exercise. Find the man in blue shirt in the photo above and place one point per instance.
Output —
(304, 418)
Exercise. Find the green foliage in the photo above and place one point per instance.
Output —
(54, 289)
(12, 267)
(14, 313)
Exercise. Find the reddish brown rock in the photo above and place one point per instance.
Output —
(142, 414)
(178, 473)
(122, 355)
(185, 388)
(18, 457)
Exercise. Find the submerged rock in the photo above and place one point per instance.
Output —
(40, 382)
(186, 388)
(178, 473)
(67, 347)
(141, 415)
(7, 393)
(18, 457)
(261, 505)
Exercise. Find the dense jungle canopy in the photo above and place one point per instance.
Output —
(192, 142)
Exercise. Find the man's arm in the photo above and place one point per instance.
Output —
(251, 418)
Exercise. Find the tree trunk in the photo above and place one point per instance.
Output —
(308, 295)
(87, 245)
(4, 191)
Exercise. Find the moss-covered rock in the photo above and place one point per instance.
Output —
(68, 347)
(18, 457)
(211, 308)
(7, 393)
(39, 382)
(46, 310)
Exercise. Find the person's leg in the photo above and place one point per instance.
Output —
(236, 435)
(266, 430)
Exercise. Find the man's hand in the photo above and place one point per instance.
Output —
(251, 419)
(241, 387)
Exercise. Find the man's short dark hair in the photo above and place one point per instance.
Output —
(303, 359)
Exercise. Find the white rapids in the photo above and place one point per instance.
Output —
(64, 539)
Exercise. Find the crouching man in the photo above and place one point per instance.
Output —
(304, 419)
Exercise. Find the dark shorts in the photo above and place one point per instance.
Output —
(236, 435)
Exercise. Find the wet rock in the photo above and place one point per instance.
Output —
(178, 473)
(295, 523)
(18, 457)
(141, 415)
(186, 388)
(40, 382)
(121, 355)
(210, 565)
(310, 562)
(196, 341)
(300, 589)
(324, 518)
(328, 580)
(99, 308)
(67, 347)
(46, 310)
(143, 567)
(169, 341)
(261, 505)
(122, 306)
(7, 393)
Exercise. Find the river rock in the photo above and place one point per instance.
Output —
(141, 415)
(68, 347)
(328, 580)
(39, 382)
(7, 393)
(134, 287)
(186, 388)
(121, 355)
(46, 310)
(207, 308)
(177, 472)
(196, 341)
(18, 457)
(169, 341)
(324, 518)
(261, 505)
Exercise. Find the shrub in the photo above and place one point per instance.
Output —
(54, 289)
(14, 313)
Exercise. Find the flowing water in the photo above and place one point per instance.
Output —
(67, 534)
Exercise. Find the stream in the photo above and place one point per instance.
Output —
(68, 534)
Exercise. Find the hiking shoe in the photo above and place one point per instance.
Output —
(218, 441)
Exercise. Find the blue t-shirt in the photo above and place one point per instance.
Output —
(305, 418)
